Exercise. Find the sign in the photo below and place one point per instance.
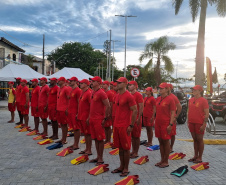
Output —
(135, 72)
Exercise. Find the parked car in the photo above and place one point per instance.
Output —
(184, 103)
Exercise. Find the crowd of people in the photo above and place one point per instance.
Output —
(99, 109)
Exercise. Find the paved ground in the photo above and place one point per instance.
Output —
(24, 162)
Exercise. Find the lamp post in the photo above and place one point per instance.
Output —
(114, 57)
(125, 38)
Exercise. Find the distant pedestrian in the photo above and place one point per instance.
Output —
(18, 93)
(198, 114)
(11, 101)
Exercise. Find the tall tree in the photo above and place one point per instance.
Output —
(195, 6)
(159, 48)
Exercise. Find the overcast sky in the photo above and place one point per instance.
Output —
(90, 21)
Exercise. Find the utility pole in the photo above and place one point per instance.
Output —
(109, 76)
(114, 57)
(43, 55)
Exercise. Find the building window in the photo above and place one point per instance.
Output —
(14, 57)
(35, 68)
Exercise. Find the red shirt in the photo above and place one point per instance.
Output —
(62, 98)
(18, 92)
(114, 105)
(34, 96)
(164, 106)
(149, 103)
(196, 108)
(123, 113)
(84, 105)
(73, 101)
(110, 95)
(97, 108)
(43, 95)
(52, 99)
(139, 99)
(24, 90)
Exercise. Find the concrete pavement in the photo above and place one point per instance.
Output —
(24, 162)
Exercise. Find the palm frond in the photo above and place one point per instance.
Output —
(168, 64)
(221, 8)
(148, 65)
(194, 8)
(177, 4)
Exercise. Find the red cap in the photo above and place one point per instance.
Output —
(133, 83)
(34, 80)
(106, 82)
(18, 78)
(53, 79)
(198, 87)
(61, 79)
(163, 85)
(25, 81)
(96, 78)
(43, 78)
(170, 86)
(11, 82)
(123, 80)
(67, 81)
(113, 83)
(73, 78)
(85, 81)
(148, 89)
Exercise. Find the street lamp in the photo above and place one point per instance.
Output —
(114, 57)
(125, 38)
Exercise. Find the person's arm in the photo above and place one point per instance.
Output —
(133, 119)
(179, 108)
(47, 93)
(107, 110)
(172, 116)
(27, 100)
(202, 128)
(141, 108)
(153, 115)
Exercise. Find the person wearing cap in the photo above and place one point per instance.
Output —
(83, 114)
(34, 102)
(72, 110)
(178, 111)
(99, 113)
(108, 123)
(136, 133)
(24, 102)
(125, 117)
(149, 114)
(198, 114)
(11, 101)
(52, 106)
(165, 111)
(63, 96)
(43, 104)
(113, 87)
(18, 92)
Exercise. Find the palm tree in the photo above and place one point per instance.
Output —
(159, 48)
(195, 5)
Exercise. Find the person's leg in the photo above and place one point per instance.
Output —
(200, 146)
(76, 139)
(26, 119)
(88, 144)
(194, 137)
(173, 137)
(107, 134)
(136, 141)
(100, 150)
(126, 160)
(45, 126)
(161, 152)
(149, 135)
(21, 118)
(133, 147)
(64, 133)
(36, 121)
(12, 116)
(166, 151)
(55, 130)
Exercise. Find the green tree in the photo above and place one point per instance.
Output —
(159, 48)
(77, 55)
(195, 6)
(30, 59)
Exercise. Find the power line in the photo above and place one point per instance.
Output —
(25, 44)
(96, 36)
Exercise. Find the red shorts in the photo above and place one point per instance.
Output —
(34, 112)
(61, 117)
(52, 113)
(72, 121)
(23, 110)
(43, 114)
(174, 130)
(96, 129)
(161, 131)
(108, 123)
(11, 107)
(137, 130)
(147, 122)
(85, 129)
(195, 127)
(121, 138)
(18, 106)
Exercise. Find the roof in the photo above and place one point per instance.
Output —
(11, 44)
(68, 72)
(12, 71)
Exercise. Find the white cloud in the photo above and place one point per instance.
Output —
(22, 2)
(25, 29)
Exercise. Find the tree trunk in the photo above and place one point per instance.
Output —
(200, 48)
(157, 71)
